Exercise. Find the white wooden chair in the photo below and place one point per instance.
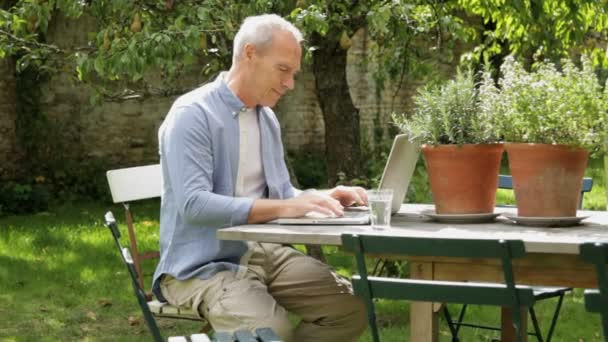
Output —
(134, 184)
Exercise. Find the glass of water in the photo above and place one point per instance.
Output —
(380, 208)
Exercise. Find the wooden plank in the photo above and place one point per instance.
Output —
(570, 277)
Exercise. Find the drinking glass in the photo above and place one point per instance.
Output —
(380, 208)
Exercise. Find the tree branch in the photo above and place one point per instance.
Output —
(28, 44)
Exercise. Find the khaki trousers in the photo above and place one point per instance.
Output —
(277, 279)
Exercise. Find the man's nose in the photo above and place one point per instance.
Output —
(289, 82)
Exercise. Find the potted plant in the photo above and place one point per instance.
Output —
(458, 143)
(550, 120)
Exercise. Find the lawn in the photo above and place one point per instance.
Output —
(61, 279)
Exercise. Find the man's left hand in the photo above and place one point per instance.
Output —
(349, 195)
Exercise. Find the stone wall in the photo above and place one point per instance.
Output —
(125, 133)
(9, 152)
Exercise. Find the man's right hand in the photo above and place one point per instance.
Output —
(311, 202)
(264, 210)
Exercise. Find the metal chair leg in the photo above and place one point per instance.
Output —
(461, 317)
(555, 316)
(450, 322)
(537, 332)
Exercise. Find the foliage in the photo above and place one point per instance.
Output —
(23, 198)
(549, 106)
(392, 26)
(551, 29)
(449, 113)
(133, 39)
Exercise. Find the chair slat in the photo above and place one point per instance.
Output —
(199, 338)
(223, 337)
(594, 253)
(244, 336)
(595, 301)
(444, 291)
(267, 335)
(135, 183)
(471, 248)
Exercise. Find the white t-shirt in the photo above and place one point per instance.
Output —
(250, 181)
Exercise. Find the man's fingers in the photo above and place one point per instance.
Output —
(332, 205)
(363, 195)
(323, 210)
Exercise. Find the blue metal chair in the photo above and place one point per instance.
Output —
(596, 300)
(540, 293)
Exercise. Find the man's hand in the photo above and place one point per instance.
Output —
(330, 203)
(349, 195)
(305, 203)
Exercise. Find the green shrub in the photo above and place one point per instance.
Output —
(549, 106)
(23, 198)
(449, 113)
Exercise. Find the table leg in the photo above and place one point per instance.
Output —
(508, 333)
(423, 319)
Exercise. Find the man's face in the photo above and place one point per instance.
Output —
(274, 67)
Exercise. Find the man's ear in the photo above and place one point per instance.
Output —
(248, 51)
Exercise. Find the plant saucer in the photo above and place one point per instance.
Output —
(534, 221)
(460, 218)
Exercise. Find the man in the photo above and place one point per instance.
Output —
(223, 165)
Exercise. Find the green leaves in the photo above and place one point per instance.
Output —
(550, 28)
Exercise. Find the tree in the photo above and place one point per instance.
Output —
(551, 29)
(135, 37)
(393, 26)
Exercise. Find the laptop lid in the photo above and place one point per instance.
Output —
(397, 175)
(399, 169)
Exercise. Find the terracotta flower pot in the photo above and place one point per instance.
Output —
(547, 179)
(463, 178)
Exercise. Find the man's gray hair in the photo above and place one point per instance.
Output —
(258, 30)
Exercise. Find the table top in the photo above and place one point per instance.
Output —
(409, 221)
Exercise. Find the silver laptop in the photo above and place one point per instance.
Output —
(397, 174)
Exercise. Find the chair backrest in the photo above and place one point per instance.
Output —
(132, 184)
(597, 300)
(135, 183)
(506, 182)
(508, 295)
(110, 222)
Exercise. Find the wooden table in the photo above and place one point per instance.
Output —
(552, 258)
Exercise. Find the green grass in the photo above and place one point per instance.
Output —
(61, 279)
